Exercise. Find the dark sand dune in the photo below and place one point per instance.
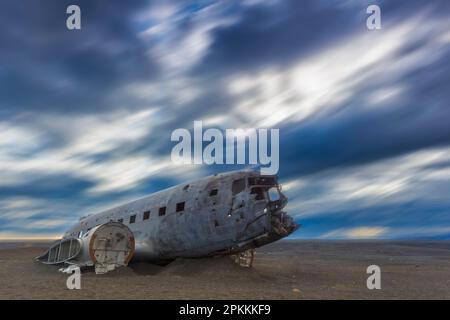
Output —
(283, 270)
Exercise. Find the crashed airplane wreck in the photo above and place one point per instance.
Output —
(225, 214)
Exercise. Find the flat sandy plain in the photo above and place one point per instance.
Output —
(290, 269)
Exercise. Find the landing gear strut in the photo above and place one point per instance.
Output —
(245, 258)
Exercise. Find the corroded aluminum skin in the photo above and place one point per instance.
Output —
(209, 225)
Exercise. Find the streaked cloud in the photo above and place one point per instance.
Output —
(357, 233)
(85, 118)
(392, 181)
(319, 84)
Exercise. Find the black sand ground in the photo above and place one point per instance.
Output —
(283, 270)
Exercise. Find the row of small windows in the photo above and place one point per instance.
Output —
(161, 212)
(237, 186)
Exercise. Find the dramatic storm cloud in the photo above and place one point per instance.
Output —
(86, 115)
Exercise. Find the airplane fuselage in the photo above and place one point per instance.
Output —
(222, 214)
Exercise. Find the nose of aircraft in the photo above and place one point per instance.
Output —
(282, 223)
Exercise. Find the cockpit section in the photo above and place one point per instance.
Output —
(265, 199)
(267, 188)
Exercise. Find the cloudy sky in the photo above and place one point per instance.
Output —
(86, 115)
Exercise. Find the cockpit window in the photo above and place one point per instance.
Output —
(238, 186)
(274, 195)
(259, 193)
(262, 181)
